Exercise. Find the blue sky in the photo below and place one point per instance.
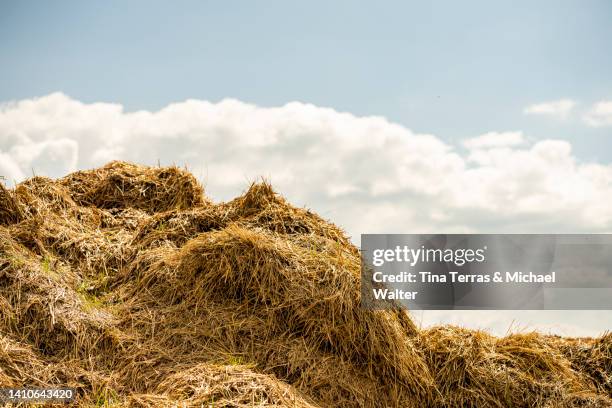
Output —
(454, 69)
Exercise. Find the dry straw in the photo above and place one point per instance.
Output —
(126, 283)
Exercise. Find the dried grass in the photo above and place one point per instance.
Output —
(10, 210)
(126, 283)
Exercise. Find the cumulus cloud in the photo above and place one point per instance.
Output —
(9, 170)
(572, 323)
(560, 108)
(365, 173)
(495, 139)
(600, 114)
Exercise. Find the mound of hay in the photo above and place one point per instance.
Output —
(126, 283)
(124, 185)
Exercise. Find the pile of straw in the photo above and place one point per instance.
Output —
(126, 283)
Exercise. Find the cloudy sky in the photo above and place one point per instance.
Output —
(446, 117)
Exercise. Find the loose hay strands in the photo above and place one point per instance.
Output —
(10, 210)
(126, 283)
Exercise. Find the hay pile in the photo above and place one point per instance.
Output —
(126, 283)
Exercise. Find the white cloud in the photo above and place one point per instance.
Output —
(9, 170)
(364, 173)
(495, 139)
(600, 114)
(572, 323)
(560, 108)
